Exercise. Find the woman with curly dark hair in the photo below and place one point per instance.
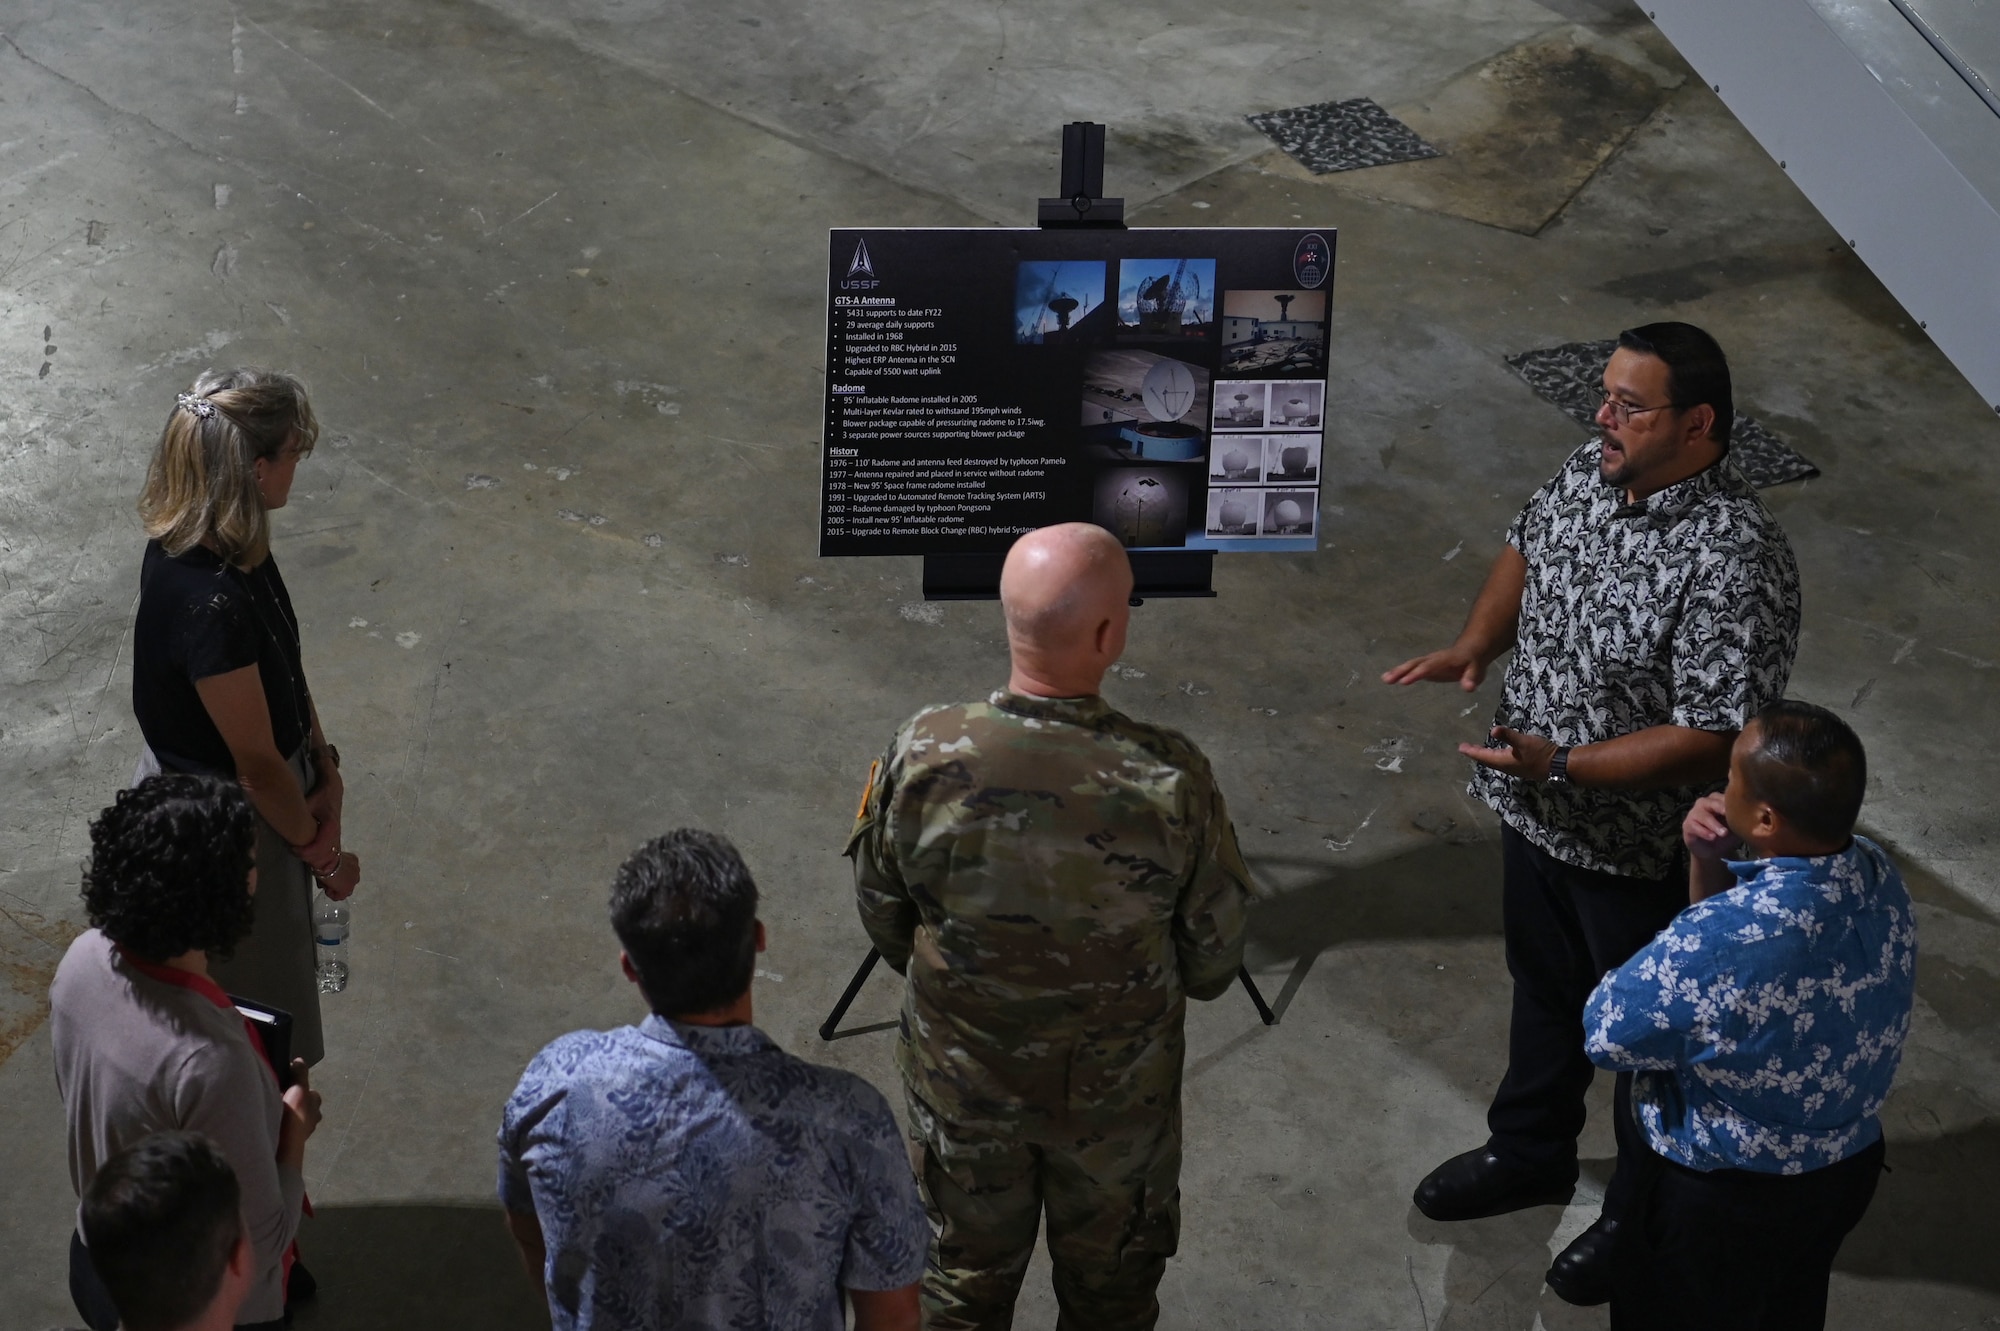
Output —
(218, 685)
(146, 1041)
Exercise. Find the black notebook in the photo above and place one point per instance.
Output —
(274, 1026)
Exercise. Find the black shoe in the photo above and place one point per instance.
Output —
(300, 1286)
(1581, 1273)
(1479, 1183)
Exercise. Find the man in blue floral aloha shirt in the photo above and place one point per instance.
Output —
(1765, 1025)
(688, 1173)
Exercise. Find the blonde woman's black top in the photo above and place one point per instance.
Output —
(199, 616)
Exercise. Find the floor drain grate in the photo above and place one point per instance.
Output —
(1572, 377)
(1343, 136)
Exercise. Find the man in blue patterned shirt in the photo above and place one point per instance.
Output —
(1764, 1025)
(686, 1173)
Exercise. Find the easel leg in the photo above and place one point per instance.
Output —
(832, 1022)
(1250, 987)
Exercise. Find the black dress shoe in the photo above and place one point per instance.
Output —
(1479, 1183)
(1581, 1273)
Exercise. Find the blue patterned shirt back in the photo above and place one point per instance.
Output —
(701, 1177)
(1766, 1022)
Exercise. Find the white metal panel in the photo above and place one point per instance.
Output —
(1911, 215)
(1948, 106)
(1970, 30)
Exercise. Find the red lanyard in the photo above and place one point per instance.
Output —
(204, 986)
(212, 991)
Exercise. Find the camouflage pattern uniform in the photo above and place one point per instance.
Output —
(1055, 879)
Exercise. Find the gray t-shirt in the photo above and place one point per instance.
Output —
(141, 1049)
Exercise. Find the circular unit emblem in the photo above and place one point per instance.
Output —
(1312, 260)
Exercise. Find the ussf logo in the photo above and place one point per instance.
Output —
(860, 270)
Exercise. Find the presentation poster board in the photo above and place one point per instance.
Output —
(1167, 384)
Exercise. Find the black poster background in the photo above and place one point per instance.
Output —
(921, 340)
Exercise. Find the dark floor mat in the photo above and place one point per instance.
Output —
(1572, 377)
(1342, 136)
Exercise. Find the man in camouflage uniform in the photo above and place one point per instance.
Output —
(1054, 879)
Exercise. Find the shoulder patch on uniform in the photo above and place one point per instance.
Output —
(867, 790)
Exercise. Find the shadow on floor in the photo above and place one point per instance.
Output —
(420, 1267)
(1925, 886)
(1932, 1218)
(1493, 1278)
(1444, 889)
(1447, 888)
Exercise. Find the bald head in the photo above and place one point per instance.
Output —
(1066, 591)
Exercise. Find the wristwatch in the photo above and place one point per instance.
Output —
(1559, 766)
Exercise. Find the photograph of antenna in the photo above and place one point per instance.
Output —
(1274, 332)
(1290, 512)
(1146, 405)
(1241, 406)
(1145, 507)
(1059, 301)
(1233, 511)
(1296, 405)
(1236, 457)
(1291, 459)
(1165, 299)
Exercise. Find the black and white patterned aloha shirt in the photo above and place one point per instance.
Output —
(1681, 610)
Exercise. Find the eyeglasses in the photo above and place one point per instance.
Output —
(1623, 412)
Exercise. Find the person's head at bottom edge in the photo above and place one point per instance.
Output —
(164, 1225)
(684, 908)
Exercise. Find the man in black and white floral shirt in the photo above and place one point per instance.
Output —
(1653, 607)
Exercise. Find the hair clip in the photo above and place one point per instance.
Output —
(200, 406)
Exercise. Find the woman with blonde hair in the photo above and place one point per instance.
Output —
(218, 686)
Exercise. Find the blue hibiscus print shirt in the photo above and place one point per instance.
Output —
(701, 1177)
(1766, 1022)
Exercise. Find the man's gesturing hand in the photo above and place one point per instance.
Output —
(1489, 630)
(1513, 752)
(1453, 662)
(1705, 830)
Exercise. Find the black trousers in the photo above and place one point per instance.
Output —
(1736, 1251)
(1565, 928)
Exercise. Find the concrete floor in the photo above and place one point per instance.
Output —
(554, 273)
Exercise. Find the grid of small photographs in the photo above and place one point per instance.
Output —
(1264, 458)
(1267, 417)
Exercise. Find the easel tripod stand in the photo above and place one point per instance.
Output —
(831, 1026)
(1081, 204)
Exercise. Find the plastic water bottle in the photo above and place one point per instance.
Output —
(330, 935)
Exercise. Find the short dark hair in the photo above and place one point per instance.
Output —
(1697, 371)
(169, 866)
(1809, 765)
(685, 909)
(161, 1220)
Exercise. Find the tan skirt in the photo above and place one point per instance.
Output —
(277, 964)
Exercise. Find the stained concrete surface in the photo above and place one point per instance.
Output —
(1524, 131)
(562, 313)
(951, 99)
